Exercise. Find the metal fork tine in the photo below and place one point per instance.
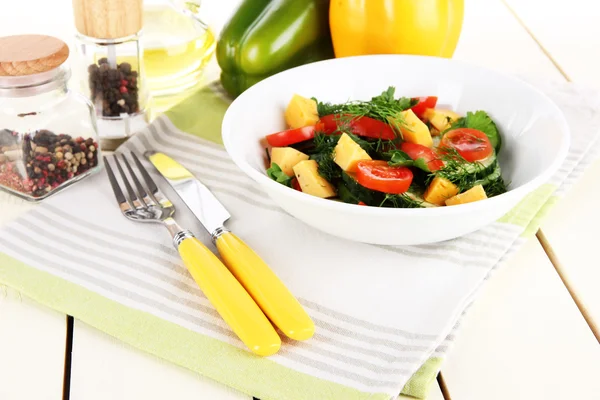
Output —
(140, 189)
(147, 178)
(114, 183)
(135, 201)
(155, 191)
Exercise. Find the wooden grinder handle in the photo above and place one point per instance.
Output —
(108, 19)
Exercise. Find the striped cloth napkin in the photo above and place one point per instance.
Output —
(385, 316)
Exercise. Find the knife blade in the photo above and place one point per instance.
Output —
(199, 199)
(267, 290)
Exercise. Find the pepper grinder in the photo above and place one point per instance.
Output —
(110, 53)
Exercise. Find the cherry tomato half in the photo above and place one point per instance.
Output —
(361, 126)
(379, 176)
(471, 144)
(416, 151)
(296, 185)
(423, 104)
(292, 136)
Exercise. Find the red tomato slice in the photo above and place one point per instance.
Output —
(361, 203)
(416, 151)
(471, 144)
(296, 185)
(361, 126)
(292, 136)
(378, 175)
(423, 104)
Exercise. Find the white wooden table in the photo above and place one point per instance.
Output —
(533, 333)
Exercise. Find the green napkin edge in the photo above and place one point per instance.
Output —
(232, 366)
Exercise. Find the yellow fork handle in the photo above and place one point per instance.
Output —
(282, 308)
(230, 299)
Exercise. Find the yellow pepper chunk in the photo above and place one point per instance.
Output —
(286, 158)
(310, 181)
(439, 190)
(348, 153)
(476, 193)
(414, 130)
(301, 112)
(440, 119)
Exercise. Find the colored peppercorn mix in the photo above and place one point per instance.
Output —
(43, 160)
(114, 90)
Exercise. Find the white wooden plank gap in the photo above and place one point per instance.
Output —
(570, 32)
(103, 367)
(566, 33)
(540, 45)
(570, 287)
(32, 349)
(524, 338)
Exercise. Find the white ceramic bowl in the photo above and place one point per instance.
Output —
(534, 132)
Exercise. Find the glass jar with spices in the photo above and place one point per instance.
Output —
(111, 56)
(48, 136)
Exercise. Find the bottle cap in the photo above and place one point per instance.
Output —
(108, 19)
(22, 55)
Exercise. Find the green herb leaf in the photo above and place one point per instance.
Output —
(481, 121)
(399, 158)
(421, 164)
(278, 175)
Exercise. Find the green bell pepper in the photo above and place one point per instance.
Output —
(265, 37)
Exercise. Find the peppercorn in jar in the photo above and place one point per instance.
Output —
(111, 59)
(48, 137)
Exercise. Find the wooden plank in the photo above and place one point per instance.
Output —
(32, 349)
(569, 232)
(524, 338)
(491, 37)
(106, 368)
(571, 36)
(569, 31)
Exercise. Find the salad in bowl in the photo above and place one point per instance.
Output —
(401, 152)
(350, 147)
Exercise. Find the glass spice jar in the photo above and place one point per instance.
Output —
(111, 55)
(48, 136)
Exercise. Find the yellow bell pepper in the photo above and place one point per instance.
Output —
(425, 27)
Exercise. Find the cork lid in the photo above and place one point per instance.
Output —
(22, 55)
(108, 19)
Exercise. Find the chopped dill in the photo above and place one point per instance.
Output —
(384, 107)
(495, 187)
(458, 170)
(327, 168)
(400, 201)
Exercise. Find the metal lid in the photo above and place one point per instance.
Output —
(23, 55)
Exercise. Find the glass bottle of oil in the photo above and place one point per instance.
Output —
(177, 46)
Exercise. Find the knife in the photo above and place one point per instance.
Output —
(267, 290)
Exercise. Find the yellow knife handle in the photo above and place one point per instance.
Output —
(282, 308)
(230, 299)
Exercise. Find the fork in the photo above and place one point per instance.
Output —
(148, 204)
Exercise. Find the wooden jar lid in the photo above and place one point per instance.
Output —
(31, 54)
(108, 19)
